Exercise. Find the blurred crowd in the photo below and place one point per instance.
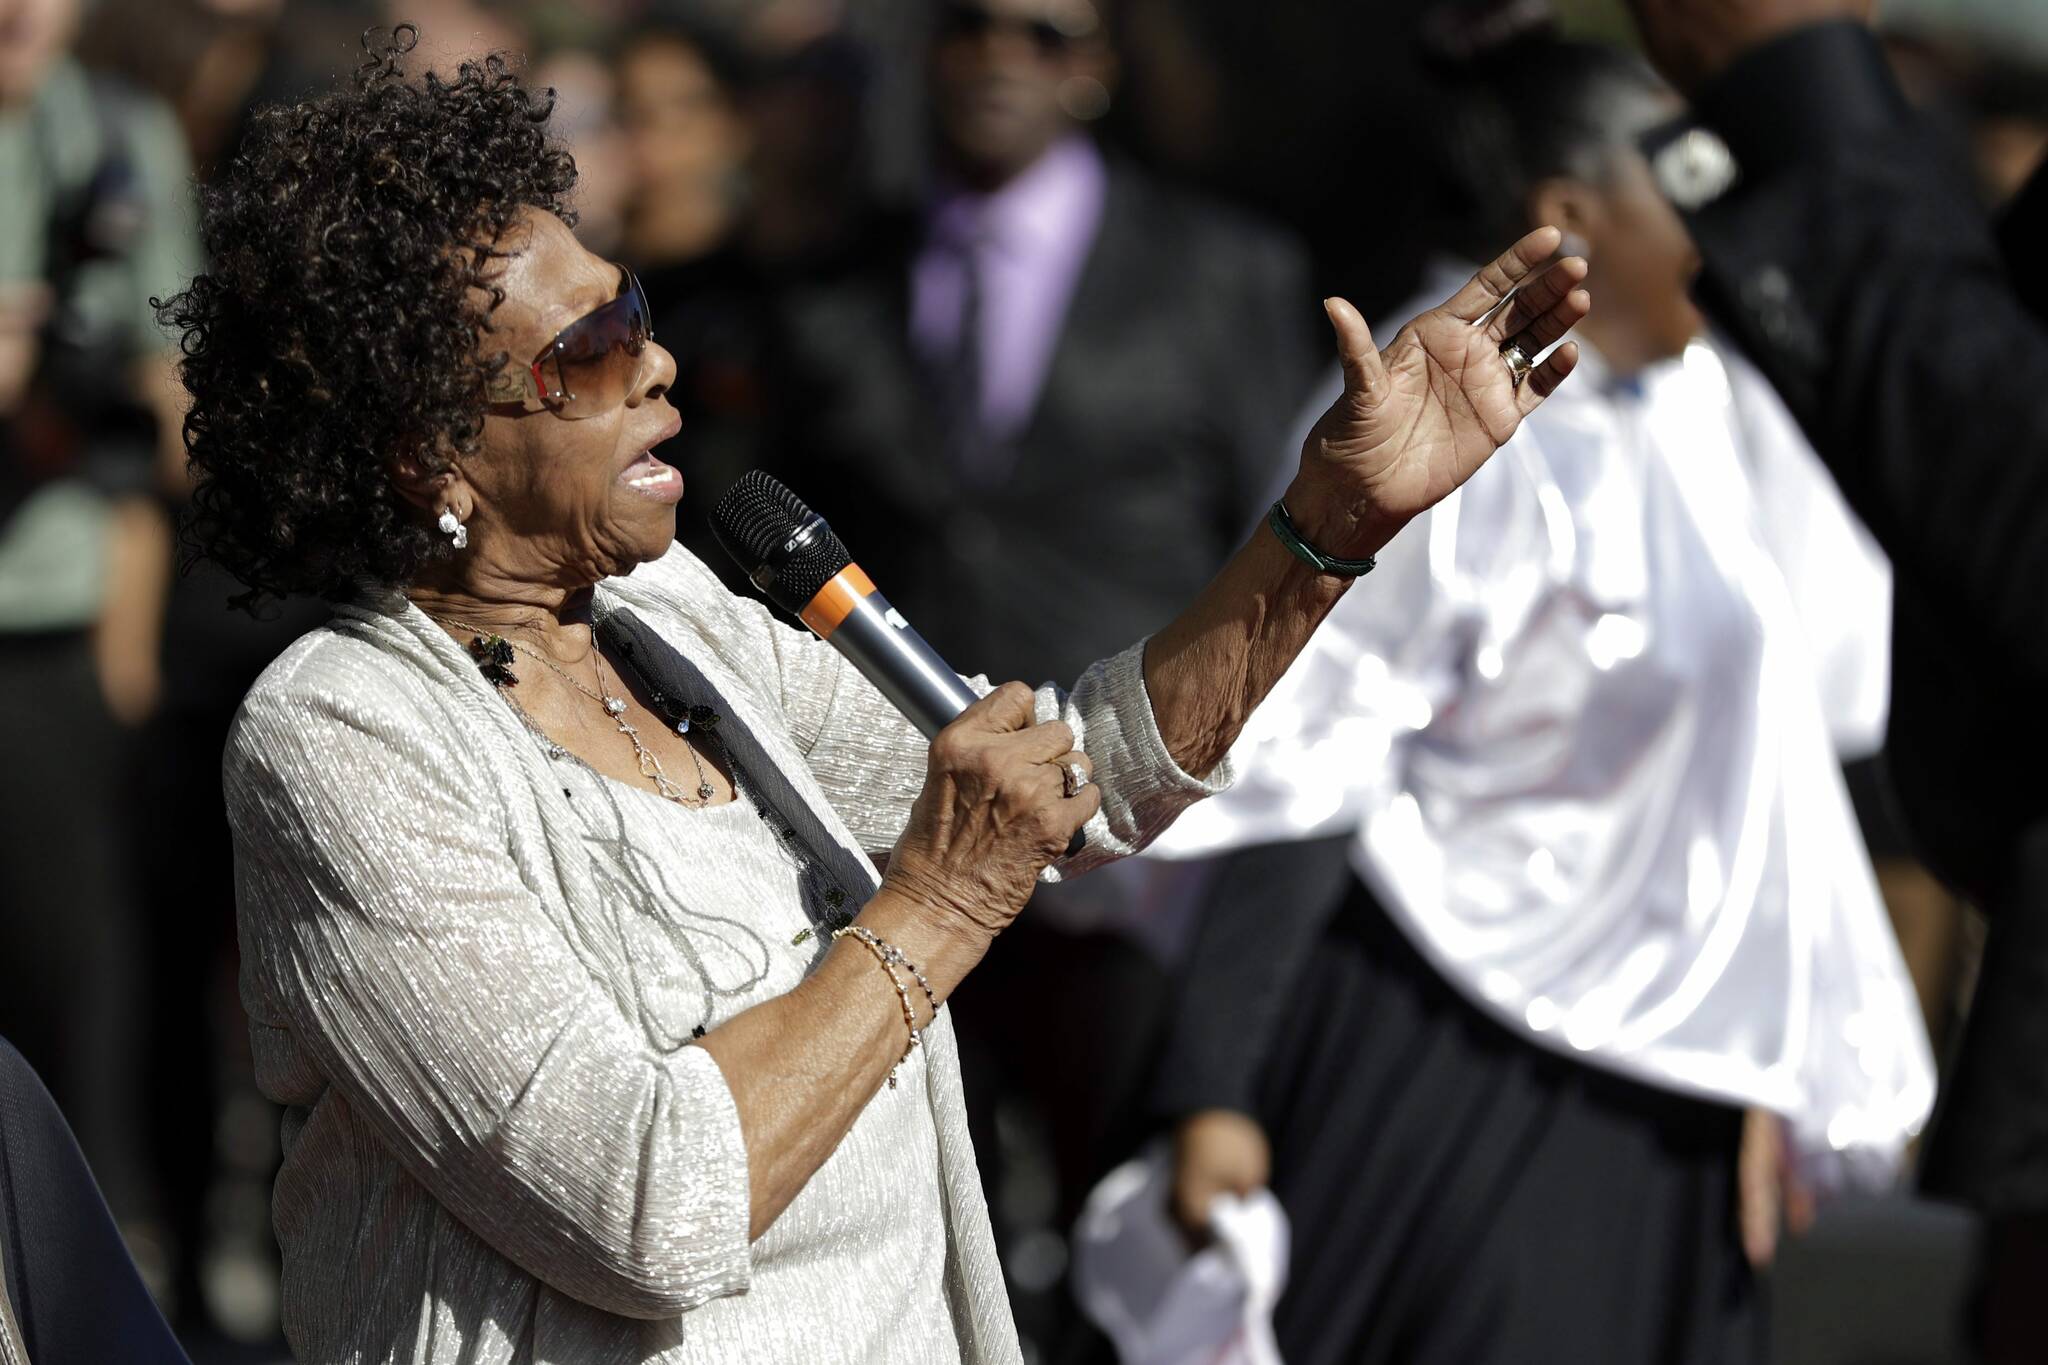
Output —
(930, 263)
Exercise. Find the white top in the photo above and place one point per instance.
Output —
(872, 1215)
(473, 975)
(1575, 718)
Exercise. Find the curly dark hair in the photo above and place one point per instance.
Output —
(337, 330)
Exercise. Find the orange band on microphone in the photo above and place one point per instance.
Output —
(837, 599)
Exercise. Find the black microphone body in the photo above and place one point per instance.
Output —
(792, 556)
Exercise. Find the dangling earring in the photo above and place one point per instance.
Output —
(452, 527)
(1083, 98)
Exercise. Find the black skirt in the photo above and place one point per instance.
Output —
(1460, 1195)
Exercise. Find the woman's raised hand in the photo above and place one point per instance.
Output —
(1415, 420)
(994, 812)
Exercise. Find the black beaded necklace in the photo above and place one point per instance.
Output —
(495, 655)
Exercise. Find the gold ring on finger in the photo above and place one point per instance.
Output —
(1519, 364)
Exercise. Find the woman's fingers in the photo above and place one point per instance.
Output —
(1077, 772)
(1012, 706)
(1547, 309)
(1497, 278)
(1067, 797)
(1006, 740)
(998, 806)
(1538, 299)
(1544, 379)
(1041, 743)
(1546, 328)
(1080, 809)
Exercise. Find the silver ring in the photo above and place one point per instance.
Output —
(1073, 777)
(1519, 364)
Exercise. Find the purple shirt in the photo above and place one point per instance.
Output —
(1027, 242)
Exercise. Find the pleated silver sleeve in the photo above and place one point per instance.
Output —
(12, 1352)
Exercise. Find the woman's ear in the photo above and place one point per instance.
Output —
(433, 489)
(1573, 206)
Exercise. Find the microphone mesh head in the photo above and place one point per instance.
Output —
(755, 522)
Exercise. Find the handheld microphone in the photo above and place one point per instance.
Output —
(793, 557)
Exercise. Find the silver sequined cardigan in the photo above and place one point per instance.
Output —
(437, 995)
(12, 1351)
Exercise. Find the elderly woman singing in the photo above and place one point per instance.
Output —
(599, 1037)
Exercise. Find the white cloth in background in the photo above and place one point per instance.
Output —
(1839, 580)
(1162, 1305)
(1577, 718)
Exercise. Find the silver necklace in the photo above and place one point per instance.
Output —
(489, 655)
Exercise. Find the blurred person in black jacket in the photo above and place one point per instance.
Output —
(1049, 309)
(1049, 312)
(1911, 340)
(688, 141)
(746, 182)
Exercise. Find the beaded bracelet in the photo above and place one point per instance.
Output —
(893, 955)
(881, 950)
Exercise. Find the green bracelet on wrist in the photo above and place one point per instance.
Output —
(1298, 546)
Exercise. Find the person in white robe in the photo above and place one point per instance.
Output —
(1611, 894)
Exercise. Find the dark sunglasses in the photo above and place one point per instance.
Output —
(590, 366)
(972, 21)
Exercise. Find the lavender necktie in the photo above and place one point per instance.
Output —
(957, 380)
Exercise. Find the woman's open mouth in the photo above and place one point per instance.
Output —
(650, 478)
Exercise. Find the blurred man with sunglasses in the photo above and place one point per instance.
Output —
(1045, 308)
(1048, 317)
